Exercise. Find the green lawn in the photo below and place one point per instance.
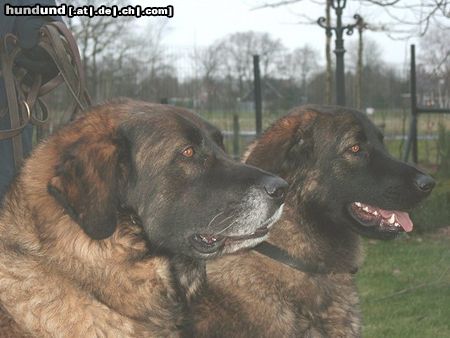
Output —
(405, 287)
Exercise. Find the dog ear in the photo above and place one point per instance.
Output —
(88, 183)
(303, 142)
(284, 143)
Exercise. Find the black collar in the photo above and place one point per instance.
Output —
(283, 257)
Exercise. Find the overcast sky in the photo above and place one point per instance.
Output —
(201, 22)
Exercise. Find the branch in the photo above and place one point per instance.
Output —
(406, 290)
(438, 281)
(276, 4)
(382, 3)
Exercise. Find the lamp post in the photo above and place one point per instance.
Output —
(339, 29)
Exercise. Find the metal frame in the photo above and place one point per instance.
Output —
(338, 6)
(415, 112)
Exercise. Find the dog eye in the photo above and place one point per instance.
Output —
(355, 148)
(188, 152)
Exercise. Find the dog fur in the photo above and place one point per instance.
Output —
(87, 247)
(313, 149)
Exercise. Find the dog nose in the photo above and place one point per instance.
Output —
(424, 183)
(276, 188)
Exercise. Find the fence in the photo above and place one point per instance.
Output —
(228, 101)
(412, 141)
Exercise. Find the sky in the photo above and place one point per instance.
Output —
(201, 22)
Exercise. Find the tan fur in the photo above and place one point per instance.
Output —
(251, 295)
(263, 298)
(57, 281)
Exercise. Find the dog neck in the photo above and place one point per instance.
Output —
(315, 245)
(189, 275)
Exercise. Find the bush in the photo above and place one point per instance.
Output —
(443, 144)
(434, 212)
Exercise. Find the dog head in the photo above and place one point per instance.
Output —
(340, 172)
(169, 167)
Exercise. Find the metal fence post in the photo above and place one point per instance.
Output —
(236, 136)
(258, 96)
(413, 105)
(411, 142)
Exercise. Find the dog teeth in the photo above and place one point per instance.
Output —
(392, 219)
(366, 209)
(208, 240)
(397, 225)
(358, 204)
(375, 213)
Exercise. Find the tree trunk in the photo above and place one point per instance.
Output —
(359, 68)
(329, 74)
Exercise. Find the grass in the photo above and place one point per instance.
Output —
(405, 288)
(434, 211)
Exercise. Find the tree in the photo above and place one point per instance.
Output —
(329, 77)
(239, 49)
(302, 62)
(359, 69)
(435, 55)
(115, 57)
(410, 18)
(96, 37)
(208, 63)
(406, 18)
(381, 84)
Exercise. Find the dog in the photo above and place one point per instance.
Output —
(343, 184)
(106, 230)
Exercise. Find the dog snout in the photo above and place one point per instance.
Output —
(424, 183)
(276, 188)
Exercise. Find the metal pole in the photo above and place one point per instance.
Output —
(359, 69)
(338, 6)
(340, 66)
(412, 135)
(236, 136)
(258, 96)
(413, 104)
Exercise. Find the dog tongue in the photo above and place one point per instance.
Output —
(401, 217)
(404, 220)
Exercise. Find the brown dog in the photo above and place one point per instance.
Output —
(105, 231)
(342, 184)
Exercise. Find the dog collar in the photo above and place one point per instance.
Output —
(283, 257)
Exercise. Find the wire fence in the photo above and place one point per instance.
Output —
(227, 101)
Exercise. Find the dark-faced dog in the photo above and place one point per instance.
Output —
(105, 231)
(342, 184)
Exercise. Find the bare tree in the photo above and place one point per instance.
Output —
(329, 77)
(116, 54)
(208, 63)
(359, 68)
(409, 18)
(239, 49)
(96, 37)
(302, 63)
(403, 19)
(435, 56)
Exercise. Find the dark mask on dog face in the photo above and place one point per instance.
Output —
(172, 171)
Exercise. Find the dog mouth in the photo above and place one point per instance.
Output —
(208, 244)
(393, 221)
(212, 243)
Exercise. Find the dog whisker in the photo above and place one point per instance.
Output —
(213, 219)
(226, 218)
(227, 227)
